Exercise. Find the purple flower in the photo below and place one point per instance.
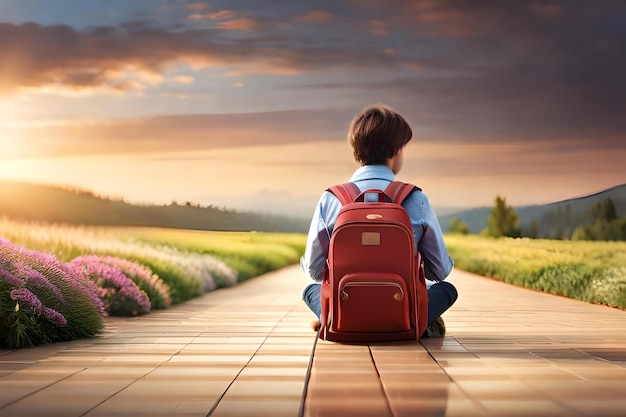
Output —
(138, 296)
(27, 298)
(143, 277)
(11, 279)
(62, 305)
(71, 277)
(120, 295)
(35, 279)
(54, 317)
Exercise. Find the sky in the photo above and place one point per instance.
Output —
(246, 104)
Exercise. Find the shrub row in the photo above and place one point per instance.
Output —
(53, 278)
(186, 274)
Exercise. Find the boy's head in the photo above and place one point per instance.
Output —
(377, 134)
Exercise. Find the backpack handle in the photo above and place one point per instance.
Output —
(349, 192)
(382, 197)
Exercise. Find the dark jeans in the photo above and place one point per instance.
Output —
(441, 296)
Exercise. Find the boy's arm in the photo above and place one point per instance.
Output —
(429, 238)
(317, 244)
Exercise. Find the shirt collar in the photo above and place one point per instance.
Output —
(370, 172)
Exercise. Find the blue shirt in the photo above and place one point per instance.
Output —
(427, 234)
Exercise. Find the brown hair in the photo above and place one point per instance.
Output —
(377, 133)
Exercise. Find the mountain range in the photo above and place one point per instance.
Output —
(554, 220)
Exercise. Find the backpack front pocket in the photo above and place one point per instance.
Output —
(372, 302)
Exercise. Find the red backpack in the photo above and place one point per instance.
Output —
(373, 287)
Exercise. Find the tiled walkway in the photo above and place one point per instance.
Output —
(509, 352)
(244, 351)
(234, 352)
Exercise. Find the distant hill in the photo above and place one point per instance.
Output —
(553, 220)
(43, 203)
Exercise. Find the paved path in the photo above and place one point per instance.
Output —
(233, 352)
(508, 352)
(244, 351)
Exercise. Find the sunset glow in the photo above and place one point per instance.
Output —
(248, 108)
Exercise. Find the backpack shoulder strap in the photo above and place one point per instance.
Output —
(398, 191)
(346, 193)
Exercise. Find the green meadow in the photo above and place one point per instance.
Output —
(57, 282)
(190, 262)
(38, 298)
(589, 271)
(248, 253)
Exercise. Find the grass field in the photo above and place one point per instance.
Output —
(190, 262)
(57, 282)
(587, 271)
(248, 253)
(187, 263)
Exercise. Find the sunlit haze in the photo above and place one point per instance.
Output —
(247, 104)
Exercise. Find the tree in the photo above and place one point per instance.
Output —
(458, 226)
(580, 233)
(502, 220)
(534, 232)
(606, 225)
(604, 211)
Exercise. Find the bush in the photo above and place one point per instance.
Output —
(42, 300)
(120, 295)
(157, 291)
(187, 275)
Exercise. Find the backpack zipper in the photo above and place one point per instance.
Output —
(398, 296)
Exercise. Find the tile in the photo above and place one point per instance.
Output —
(524, 408)
(139, 407)
(242, 389)
(273, 373)
(463, 408)
(257, 408)
(348, 407)
(591, 407)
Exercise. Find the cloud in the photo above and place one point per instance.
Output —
(478, 69)
(183, 79)
(222, 14)
(176, 133)
(197, 6)
(133, 57)
(246, 24)
(546, 10)
(502, 69)
(316, 16)
(378, 27)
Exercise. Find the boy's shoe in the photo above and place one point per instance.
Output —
(436, 329)
(315, 325)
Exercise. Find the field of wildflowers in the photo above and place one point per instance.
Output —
(588, 271)
(57, 282)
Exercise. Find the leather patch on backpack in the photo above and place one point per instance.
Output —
(370, 239)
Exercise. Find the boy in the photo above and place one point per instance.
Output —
(378, 136)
